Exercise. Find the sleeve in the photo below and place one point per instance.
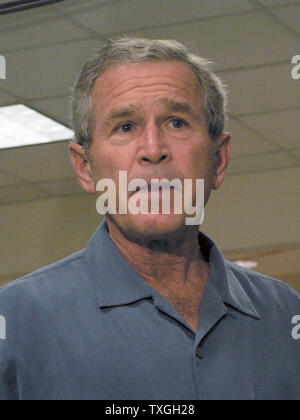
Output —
(8, 371)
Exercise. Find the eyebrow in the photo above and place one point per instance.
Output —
(182, 107)
(176, 106)
(170, 104)
(121, 113)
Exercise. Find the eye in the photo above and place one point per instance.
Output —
(126, 127)
(178, 123)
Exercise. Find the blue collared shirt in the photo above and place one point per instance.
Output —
(89, 327)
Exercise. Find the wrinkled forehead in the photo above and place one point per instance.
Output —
(172, 81)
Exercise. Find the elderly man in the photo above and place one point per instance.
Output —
(149, 310)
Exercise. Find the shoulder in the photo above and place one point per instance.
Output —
(30, 304)
(265, 292)
(47, 280)
(32, 308)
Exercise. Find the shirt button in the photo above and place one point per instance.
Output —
(199, 352)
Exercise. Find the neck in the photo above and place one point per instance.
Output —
(165, 263)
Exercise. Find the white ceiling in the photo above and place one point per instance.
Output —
(251, 42)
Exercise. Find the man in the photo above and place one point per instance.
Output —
(149, 309)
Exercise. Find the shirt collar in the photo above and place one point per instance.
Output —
(117, 283)
(224, 280)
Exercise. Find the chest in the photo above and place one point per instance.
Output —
(134, 352)
(186, 298)
(187, 305)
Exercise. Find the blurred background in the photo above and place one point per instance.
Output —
(44, 215)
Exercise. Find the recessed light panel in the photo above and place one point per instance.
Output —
(23, 126)
(246, 263)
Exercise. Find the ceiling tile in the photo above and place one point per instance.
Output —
(262, 90)
(56, 108)
(75, 5)
(291, 16)
(296, 153)
(282, 128)
(6, 180)
(247, 40)
(19, 193)
(40, 33)
(271, 3)
(245, 141)
(261, 163)
(25, 18)
(4, 98)
(142, 13)
(49, 71)
(38, 163)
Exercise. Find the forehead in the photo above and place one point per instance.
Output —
(146, 81)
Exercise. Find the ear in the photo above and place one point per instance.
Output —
(82, 168)
(222, 157)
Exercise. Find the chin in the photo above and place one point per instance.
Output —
(155, 226)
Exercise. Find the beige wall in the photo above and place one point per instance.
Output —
(38, 233)
(256, 210)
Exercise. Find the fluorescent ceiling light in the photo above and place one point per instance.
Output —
(247, 264)
(22, 126)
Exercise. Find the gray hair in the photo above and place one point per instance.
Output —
(134, 50)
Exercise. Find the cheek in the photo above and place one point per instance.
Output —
(102, 163)
(197, 162)
(109, 161)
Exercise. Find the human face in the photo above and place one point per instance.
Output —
(149, 121)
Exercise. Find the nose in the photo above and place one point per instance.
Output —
(152, 147)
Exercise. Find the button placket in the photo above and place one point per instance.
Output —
(199, 352)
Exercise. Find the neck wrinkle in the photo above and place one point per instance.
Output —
(174, 268)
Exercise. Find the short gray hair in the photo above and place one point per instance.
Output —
(134, 50)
